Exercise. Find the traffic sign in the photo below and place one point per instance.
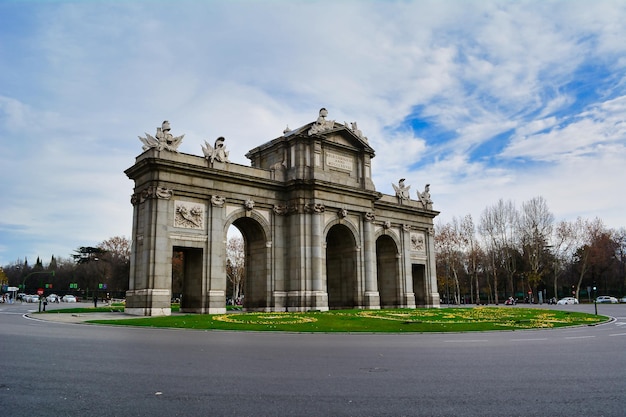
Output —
(40, 291)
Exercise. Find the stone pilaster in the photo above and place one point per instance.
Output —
(372, 296)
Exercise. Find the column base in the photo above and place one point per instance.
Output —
(148, 302)
(371, 300)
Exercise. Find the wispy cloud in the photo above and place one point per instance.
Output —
(483, 100)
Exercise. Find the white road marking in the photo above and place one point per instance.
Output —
(529, 340)
(579, 337)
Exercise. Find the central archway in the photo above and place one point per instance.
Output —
(387, 272)
(255, 285)
(341, 271)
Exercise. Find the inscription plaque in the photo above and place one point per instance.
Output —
(342, 162)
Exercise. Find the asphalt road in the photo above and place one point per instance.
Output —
(59, 369)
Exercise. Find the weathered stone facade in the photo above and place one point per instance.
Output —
(318, 235)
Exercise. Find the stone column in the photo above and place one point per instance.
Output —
(372, 296)
(152, 293)
(316, 252)
(319, 295)
(279, 256)
(432, 292)
(406, 270)
(216, 260)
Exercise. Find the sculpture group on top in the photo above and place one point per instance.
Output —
(322, 125)
(164, 140)
(216, 153)
(402, 192)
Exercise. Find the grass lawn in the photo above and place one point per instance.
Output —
(372, 321)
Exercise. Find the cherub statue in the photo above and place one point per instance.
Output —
(217, 153)
(356, 131)
(163, 139)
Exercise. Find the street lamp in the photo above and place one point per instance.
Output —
(33, 273)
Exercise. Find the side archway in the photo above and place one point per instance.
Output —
(341, 268)
(257, 282)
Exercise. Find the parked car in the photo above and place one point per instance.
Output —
(622, 300)
(606, 299)
(567, 300)
(32, 298)
(53, 298)
(68, 299)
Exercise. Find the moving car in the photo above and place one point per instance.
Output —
(606, 299)
(567, 300)
(68, 299)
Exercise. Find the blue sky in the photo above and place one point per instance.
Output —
(482, 99)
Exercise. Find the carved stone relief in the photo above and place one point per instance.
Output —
(370, 217)
(280, 209)
(152, 191)
(418, 242)
(314, 208)
(217, 201)
(188, 215)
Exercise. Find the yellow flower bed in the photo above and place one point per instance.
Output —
(498, 316)
(265, 318)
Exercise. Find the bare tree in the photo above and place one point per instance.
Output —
(585, 232)
(473, 254)
(114, 262)
(563, 240)
(498, 226)
(449, 250)
(535, 227)
(620, 255)
(117, 246)
(235, 264)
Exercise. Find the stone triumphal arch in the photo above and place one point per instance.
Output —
(317, 234)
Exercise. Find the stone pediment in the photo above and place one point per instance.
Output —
(343, 136)
(323, 150)
(347, 134)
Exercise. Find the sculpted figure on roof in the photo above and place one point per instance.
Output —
(163, 140)
(424, 197)
(402, 191)
(321, 124)
(217, 152)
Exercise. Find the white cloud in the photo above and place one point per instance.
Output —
(502, 86)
